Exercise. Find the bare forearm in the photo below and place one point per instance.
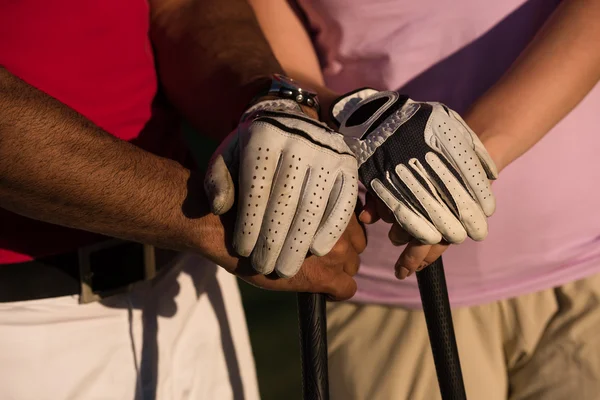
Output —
(212, 59)
(58, 167)
(289, 40)
(555, 72)
(293, 48)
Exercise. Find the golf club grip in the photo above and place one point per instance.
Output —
(436, 306)
(313, 346)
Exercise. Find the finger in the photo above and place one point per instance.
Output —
(384, 212)
(257, 170)
(279, 214)
(436, 252)
(340, 287)
(438, 212)
(352, 264)
(356, 235)
(335, 270)
(413, 223)
(340, 207)
(322, 275)
(308, 216)
(345, 255)
(369, 214)
(411, 259)
(399, 236)
(315, 276)
(471, 215)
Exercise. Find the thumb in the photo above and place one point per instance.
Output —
(369, 214)
(218, 181)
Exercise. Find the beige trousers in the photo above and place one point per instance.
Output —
(544, 345)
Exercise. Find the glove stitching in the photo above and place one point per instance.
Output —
(325, 220)
(458, 196)
(447, 154)
(303, 141)
(295, 216)
(434, 215)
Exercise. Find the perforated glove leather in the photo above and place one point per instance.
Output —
(296, 182)
(423, 161)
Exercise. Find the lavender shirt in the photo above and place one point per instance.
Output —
(546, 230)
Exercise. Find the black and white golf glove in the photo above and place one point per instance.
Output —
(422, 161)
(297, 185)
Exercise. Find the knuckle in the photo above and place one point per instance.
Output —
(362, 246)
(311, 276)
(342, 288)
(341, 247)
(330, 287)
(353, 265)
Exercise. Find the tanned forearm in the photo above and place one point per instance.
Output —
(58, 167)
(556, 71)
(212, 59)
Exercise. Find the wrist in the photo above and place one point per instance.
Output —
(498, 148)
(496, 138)
(309, 111)
(257, 91)
(203, 232)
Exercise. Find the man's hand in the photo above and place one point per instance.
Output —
(297, 186)
(425, 164)
(331, 274)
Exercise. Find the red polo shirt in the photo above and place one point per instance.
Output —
(94, 56)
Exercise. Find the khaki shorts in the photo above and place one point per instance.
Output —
(544, 345)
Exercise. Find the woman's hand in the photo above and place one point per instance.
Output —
(427, 169)
(416, 255)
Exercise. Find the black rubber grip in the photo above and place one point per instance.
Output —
(436, 306)
(313, 346)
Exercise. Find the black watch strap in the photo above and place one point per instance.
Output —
(286, 88)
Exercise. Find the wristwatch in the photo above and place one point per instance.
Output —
(286, 88)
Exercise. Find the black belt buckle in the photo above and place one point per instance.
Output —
(97, 265)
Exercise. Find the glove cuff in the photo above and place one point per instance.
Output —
(281, 105)
(343, 106)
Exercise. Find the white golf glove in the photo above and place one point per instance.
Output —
(422, 161)
(297, 186)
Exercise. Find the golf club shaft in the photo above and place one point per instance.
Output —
(436, 306)
(313, 346)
